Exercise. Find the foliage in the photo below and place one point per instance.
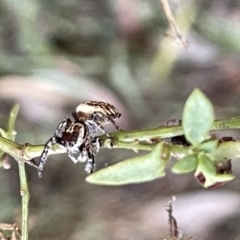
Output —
(198, 151)
(202, 152)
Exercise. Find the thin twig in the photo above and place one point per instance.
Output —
(16, 231)
(172, 131)
(172, 22)
(173, 227)
(24, 192)
(11, 123)
(135, 140)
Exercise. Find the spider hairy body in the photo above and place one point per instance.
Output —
(77, 136)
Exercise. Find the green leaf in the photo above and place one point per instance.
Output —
(198, 117)
(225, 151)
(134, 170)
(185, 165)
(208, 169)
(208, 146)
(206, 165)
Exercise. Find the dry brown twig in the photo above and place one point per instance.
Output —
(174, 232)
(16, 231)
(168, 12)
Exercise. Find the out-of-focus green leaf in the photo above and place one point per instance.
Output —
(185, 165)
(209, 146)
(207, 169)
(134, 170)
(198, 117)
(226, 150)
(206, 165)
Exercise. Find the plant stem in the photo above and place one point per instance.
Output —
(9, 147)
(24, 192)
(226, 124)
(172, 131)
(148, 134)
(11, 122)
(135, 137)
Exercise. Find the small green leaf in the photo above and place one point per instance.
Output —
(134, 170)
(226, 150)
(214, 181)
(208, 146)
(198, 117)
(185, 165)
(207, 169)
(206, 165)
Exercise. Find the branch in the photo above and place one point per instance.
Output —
(135, 140)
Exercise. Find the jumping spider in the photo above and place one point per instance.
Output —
(77, 136)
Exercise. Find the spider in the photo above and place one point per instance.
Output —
(95, 113)
(77, 136)
(77, 140)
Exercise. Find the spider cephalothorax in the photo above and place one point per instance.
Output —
(77, 136)
(95, 113)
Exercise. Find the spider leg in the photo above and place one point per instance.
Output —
(92, 149)
(70, 152)
(62, 126)
(90, 166)
(102, 129)
(95, 145)
(83, 155)
(44, 155)
(113, 122)
(50, 142)
(92, 125)
(86, 154)
(95, 121)
(72, 157)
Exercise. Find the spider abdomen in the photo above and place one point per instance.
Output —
(104, 110)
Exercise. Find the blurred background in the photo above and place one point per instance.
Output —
(57, 54)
